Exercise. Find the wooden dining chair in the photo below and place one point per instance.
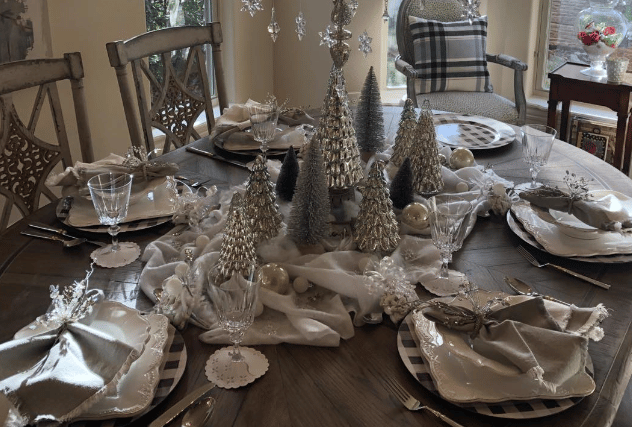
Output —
(176, 99)
(25, 159)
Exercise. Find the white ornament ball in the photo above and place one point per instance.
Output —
(461, 157)
(300, 284)
(498, 189)
(461, 187)
(258, 308)
(173, 286)
(201, 241)
(416, 215)
(274, 277)
(182, 269)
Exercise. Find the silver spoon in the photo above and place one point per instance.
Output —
(522, 288)
(67, 243)
(199, 413)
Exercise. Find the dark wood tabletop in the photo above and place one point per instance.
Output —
(341, 386)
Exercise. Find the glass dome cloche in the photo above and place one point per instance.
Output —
(600, 30)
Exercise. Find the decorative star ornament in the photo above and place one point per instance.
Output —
(251, 6)
(300, 26)
(470, 9)
(325, 37)
(365, 43)
(274, 27)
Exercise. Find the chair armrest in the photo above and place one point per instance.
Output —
(405, 68)
(507, 61)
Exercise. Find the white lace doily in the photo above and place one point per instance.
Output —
(104, 257)
(221, 370)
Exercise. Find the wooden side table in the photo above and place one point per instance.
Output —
(568, 84)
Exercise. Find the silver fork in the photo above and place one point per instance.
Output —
(413, 404)
(529, 257)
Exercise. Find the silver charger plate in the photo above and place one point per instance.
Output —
(472, 132)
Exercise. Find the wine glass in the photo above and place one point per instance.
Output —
(110, 193)
(537, 141)
(233, 289)
(263, 118)
(448, 223)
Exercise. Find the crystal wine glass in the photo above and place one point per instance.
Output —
(263, 118)
(110, 193)
(232, 289)
(448, 223)
(537, 141)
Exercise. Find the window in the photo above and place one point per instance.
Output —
(394, 79)
(558, 37)
(173, 13)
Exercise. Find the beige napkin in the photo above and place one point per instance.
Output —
(77, 177)
(229, 129)
(526, 336)
(606, 213)
(57, 375)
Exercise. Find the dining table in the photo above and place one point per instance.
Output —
(344, 385)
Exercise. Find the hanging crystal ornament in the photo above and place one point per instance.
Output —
(325, 37)
(385, 16)
(251, 6)
(365, 43)
(470, 9)
(353, 7)
(274, 28)
(300, 26)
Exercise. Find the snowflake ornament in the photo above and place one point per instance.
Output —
(325, 37)
(365, 43)
(274, 27)
(300, 26)
(251, 6)
(470, 9)
(353, 6)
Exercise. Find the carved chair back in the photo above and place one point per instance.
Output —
(26, 160)
(176, 98)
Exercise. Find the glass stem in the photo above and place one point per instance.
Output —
(236, 337)
(534, 174)
(446, 257)
(113, 231)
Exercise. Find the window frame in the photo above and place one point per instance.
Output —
(540, 54)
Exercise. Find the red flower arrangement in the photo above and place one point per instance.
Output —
(595, 34)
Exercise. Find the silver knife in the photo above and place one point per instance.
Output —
(215, 157)
(523, 289)
(61, 231)
(183, 404)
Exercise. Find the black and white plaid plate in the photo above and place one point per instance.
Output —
(171, 370)
(408, 346)
(472, 132)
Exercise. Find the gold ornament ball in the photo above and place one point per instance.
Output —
(274, 277)
(416, 215)
(461, 158)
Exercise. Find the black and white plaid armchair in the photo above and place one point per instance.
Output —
(444, 59)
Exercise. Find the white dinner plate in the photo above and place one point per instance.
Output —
(472, 132)
(553, 240)
(464, 376)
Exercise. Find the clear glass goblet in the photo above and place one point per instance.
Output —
(449, 216)
(110, 193)
(233, 289)
(263, 118)
(537, 141)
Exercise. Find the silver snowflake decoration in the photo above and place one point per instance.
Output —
(274, 28)
(251, 6)
(325, 37)
(300, 26)
(470, 9)
(365, 43)
(353, 6)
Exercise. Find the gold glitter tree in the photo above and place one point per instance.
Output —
(406, 132)
(260, 203)
(424, 155)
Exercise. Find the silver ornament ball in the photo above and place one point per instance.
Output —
(274, 277)
(461, 157)
(416, 215)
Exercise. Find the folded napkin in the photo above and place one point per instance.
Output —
(77, 176)
(56, 375)
(230, 125)
(527, 336)
(607, 212)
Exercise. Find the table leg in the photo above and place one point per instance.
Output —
(620, 145)
(550, 121)
(566, 105)
(628, 149)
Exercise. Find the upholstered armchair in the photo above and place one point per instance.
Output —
(425, 63)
